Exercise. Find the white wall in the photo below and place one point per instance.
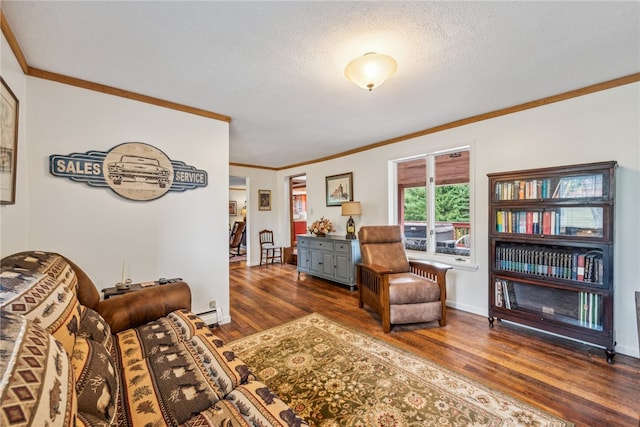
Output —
(14, 219)
(598, 127)
(178, 235)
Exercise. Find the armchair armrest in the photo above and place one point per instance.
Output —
(375, 268)
(143, 306)
(431, 269)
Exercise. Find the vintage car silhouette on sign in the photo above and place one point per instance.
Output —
(136, 168)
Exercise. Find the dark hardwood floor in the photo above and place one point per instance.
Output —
(568, 379)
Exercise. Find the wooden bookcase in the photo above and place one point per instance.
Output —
(551, 250)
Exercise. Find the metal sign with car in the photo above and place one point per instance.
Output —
(134, 170)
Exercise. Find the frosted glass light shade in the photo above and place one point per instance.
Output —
(370, 70)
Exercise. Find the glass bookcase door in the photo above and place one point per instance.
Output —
(577, 186)
(576, 308)
(583, 221)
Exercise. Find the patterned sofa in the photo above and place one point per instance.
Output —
(140, 359)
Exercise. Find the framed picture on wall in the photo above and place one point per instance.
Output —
(264, 200)
(8, 145)
(339, 189)
(233, 208)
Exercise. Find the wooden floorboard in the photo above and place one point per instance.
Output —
(568, 379)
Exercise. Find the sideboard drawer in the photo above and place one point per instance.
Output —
(303, 241)
(321, 243)
(342, 246)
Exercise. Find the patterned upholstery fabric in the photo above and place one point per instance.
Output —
(260, 407)
(36, 386)
(167, 388)
(159, 335)
(249, 405)
(93, 327)
(97, 384)
(44, 300)
(61, 366)
(227, 370)
(168, 379)
(48, 263)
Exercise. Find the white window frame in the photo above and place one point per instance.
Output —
(394, 199)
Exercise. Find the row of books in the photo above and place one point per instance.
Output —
(582, 266)
(528, 222)
(590, 310)
(523, 190)
(564, 188)
(505, 294)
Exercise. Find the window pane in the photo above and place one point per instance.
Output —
(453, 228)
(415, 218)
(433, 206)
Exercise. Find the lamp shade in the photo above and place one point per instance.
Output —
(351, 208)
(370, 70)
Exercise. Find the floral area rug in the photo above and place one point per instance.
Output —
(332, 375)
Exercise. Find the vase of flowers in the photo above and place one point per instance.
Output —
(321, 227)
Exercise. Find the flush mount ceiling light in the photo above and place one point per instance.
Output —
(370, 70)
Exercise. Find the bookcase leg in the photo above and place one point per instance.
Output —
(610, 353)
(491, 319)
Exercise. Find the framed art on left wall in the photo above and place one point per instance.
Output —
(8, 145)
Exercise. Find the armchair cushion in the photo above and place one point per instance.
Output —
(383, 246)
(415, 313)
(408, 288)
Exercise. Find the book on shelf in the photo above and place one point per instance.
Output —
(590, 310)
(505, 295)
(498, 293)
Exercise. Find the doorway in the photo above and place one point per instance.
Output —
(238, 248)
(298, 206)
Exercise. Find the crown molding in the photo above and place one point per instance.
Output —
(97, 87)
(13, 43)
(621, 81)
(72, 81)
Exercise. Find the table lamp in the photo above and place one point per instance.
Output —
(350, 209)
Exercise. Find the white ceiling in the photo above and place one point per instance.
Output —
(277, 67)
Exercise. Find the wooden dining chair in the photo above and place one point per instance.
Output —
(269, 252)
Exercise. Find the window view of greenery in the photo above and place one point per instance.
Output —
(452, 203)
(450, 234)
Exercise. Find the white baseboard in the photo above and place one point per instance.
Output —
(214, 317)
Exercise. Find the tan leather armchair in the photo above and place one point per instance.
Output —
(399, 290)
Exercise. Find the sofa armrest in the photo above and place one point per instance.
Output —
(137, 308)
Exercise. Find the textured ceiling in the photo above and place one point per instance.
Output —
(277, 67)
